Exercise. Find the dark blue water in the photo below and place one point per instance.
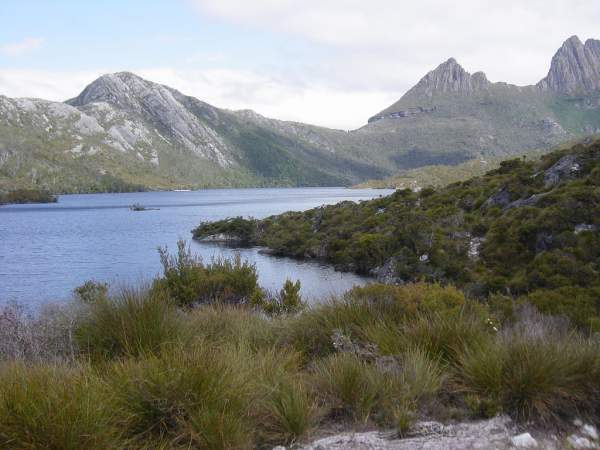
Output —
(47, 250)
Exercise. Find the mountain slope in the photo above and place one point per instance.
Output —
(124, 132)
(142, 133)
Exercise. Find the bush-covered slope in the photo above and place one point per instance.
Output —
(525, 229)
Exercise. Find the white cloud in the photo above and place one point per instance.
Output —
(276, 97)
(45, 84)
(511, 40)
(23, 46)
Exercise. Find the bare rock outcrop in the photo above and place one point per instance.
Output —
(575, 68)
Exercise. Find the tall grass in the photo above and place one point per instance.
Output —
(133, 322)
(445, 335)
(196, 397)
(285, 408)
(54, 407)
(348, 386)
(367, 308)
(534, 371)
(231, 324)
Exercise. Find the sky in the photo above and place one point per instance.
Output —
(333, 63)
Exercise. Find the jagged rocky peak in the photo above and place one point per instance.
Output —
(116, 88)
(450, 77)
(575, 68)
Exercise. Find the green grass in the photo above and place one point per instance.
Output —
(55, 407)
(147, 373)
(348, 385)
(196, 397)
(533, 375)
(133, 322)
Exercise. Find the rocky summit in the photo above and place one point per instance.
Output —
(123, 132)
(575, 68)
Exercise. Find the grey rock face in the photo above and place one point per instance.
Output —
(500, 198)
(387, 272)
(151, 103)
(584, 227)
(565, 167)
(575, 68)
(451, 77)
(496, 433)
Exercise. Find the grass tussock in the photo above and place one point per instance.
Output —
(55, 407)
(534, 372)
(133, 322)
(137, 369)
(197, 397)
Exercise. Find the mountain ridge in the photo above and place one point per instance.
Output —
(128, 132)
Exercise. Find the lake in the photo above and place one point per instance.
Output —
(46, 250)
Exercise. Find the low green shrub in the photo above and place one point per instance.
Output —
(286, 301)
(189, 282)
(91, 291)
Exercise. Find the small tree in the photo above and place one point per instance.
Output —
(287, 301)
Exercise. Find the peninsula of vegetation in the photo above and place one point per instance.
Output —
(527, 231)
(27, 196)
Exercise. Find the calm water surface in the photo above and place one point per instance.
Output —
(47, 250)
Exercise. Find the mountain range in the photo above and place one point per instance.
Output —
(123, 132)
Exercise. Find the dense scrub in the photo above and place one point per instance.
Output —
(527, 230)
(146, 368)
(27, 196)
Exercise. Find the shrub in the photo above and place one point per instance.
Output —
(28, 196)
(91, 291)
(580, 305)
(287, 301)
(54, 407)
(133, 322)
(237, 228)
(188, 282)
(44, 336)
